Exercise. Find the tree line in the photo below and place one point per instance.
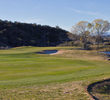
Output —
(87, 30)
(14, 34)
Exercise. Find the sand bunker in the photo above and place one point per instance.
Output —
(48, 52)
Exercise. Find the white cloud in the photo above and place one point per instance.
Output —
(84, 12)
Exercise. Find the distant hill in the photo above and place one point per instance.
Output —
(14, 34)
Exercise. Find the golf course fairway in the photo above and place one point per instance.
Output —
(26, 75)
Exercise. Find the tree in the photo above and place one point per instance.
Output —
(57, 27)
(99, 28)
(82, 29)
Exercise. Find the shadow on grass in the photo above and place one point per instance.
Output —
(93, 88)
(95, 98)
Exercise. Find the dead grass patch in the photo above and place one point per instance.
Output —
(82, 54)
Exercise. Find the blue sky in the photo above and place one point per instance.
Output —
(64, 13)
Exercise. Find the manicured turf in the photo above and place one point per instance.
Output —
(22, 68)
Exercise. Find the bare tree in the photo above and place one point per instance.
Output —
(82, 29)
(99, 28)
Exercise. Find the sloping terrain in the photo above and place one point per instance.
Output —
(14, 34)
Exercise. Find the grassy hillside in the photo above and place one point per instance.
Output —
(24, 74)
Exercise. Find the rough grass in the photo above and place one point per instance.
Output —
(24, 74)
(83, 54)
(51, 91)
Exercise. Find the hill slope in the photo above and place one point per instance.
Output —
(13, 34)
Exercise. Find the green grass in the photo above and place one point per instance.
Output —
(24, 74)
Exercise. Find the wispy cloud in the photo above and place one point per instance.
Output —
(84, 12)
